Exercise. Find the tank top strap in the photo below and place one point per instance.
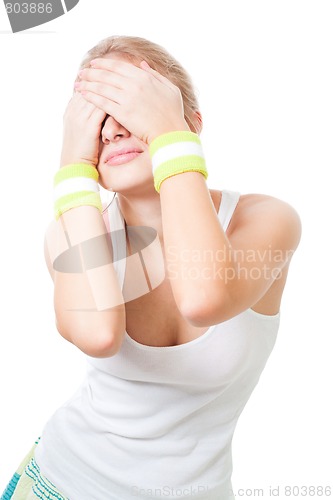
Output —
(118, 239)
(227, 207)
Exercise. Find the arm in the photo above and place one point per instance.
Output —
(214, 277)
(88, 305)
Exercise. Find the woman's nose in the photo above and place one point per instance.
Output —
(112, 131)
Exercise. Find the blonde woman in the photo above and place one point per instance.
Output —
(172, 292)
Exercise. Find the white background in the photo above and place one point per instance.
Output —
(263, 70)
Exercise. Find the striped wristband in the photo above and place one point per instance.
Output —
(76, 185)
(174, 153)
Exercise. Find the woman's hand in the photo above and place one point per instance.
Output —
(139, 98)
(81, 133)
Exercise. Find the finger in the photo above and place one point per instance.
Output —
(103, 76)
(116, 66)
(109, 107)
(80, 104)
(98, 115)
(145, 66)
(84, 109)
(93, 113)
(106, 91)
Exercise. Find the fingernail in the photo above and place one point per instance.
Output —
(76, 85)
(93, 62)
(144, 63)
(80, 73)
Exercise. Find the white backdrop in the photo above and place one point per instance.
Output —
(263, 70)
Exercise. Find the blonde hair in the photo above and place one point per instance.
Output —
(137, 49)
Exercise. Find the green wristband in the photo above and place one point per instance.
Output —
(175, 153)
(76, 185)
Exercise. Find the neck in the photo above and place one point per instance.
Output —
(139, 210)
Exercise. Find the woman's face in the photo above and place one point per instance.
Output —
(124, 161)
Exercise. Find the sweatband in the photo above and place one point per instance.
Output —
(174, 153)
(76, 185)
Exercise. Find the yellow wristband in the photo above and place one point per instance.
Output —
(174, 153)
(76, 185)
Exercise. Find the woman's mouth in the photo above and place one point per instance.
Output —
(121, 157)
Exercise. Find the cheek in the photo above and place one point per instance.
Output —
(145, 160)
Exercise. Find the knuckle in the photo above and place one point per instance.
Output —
(148, 78)
(105, 75)
(82, 73)
(115, 64)
(140, 86)
(99, 88)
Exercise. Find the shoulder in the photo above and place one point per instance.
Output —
(269, 217)
(259, 203)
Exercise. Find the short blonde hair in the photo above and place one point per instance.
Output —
(137, 49)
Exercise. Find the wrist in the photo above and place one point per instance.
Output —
(175, 153)
(76, 184)
(182, 126)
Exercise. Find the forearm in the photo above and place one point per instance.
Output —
(196, 246)
(88, 301)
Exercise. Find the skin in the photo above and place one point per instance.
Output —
(119, 105)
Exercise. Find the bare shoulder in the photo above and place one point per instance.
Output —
(260, 213)
(259, 201)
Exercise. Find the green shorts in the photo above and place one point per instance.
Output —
(29, 484)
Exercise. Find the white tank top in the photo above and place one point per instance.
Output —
(157, 422)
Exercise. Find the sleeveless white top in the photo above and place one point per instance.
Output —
(158, 422)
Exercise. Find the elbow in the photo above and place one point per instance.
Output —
(203, 313)
(96, 343)
(103, 346)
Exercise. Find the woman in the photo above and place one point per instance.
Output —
(173, 291)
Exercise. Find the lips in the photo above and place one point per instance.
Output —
(122, 156)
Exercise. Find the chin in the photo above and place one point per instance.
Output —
(127, 184)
